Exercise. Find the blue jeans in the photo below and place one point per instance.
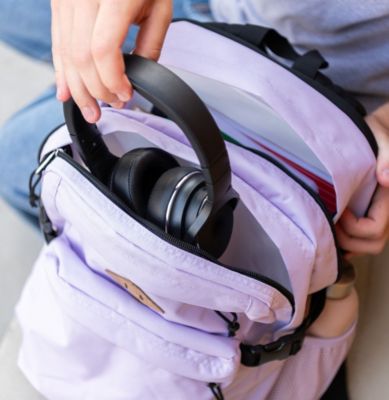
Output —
(25, 25)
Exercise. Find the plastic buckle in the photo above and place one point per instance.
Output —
(253, 356)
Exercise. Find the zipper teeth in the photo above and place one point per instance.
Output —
(168, 238)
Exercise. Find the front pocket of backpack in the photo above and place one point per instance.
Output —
(84, 303)
(111, 240)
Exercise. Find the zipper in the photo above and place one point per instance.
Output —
(327, 92)
(36, 176)
(190, 248)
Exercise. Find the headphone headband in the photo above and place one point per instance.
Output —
(181, 104)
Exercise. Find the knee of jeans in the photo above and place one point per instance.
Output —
(19, 146)
(10, 159)
(20, 140)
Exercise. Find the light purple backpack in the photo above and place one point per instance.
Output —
(113, 311)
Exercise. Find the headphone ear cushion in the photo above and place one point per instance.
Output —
(136, 173)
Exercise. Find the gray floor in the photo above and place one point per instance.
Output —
(20, 80)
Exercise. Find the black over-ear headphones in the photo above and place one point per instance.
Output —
(194, 205)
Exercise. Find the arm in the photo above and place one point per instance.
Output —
(87, 36)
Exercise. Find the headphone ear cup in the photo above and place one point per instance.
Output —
(136, 173)
(170, 196)
(176, 201)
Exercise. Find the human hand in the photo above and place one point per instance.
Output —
(87, 36)
(370, 234)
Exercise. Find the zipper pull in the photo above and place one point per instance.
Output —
(36, 176)
(232, 325)
(216, 391)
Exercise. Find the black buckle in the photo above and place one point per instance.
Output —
(255, 355)
(285, 346)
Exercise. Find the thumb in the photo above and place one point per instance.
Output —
(379, 124)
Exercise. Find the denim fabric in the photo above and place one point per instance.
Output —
(25, 25)
(20, 139)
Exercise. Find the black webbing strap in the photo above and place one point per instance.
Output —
(310, 63)
(268, 39)
(264, 39)
(285, 346)
(260, 37)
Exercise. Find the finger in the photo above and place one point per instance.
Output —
(375, 225)
(380, 130)
(80, 94)
(87, 104)
(153, 30)
(380, 204)
(83, 24)
(356, 245)
(63, 92)
(110, 31)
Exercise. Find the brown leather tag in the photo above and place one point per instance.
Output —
(135, 291)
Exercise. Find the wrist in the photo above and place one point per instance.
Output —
(341, 308)
(343, 287)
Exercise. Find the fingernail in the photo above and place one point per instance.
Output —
(88, 113)
(124, 96)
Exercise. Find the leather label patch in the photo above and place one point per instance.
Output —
(135, 291)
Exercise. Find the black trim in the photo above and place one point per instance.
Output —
(330, 90)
